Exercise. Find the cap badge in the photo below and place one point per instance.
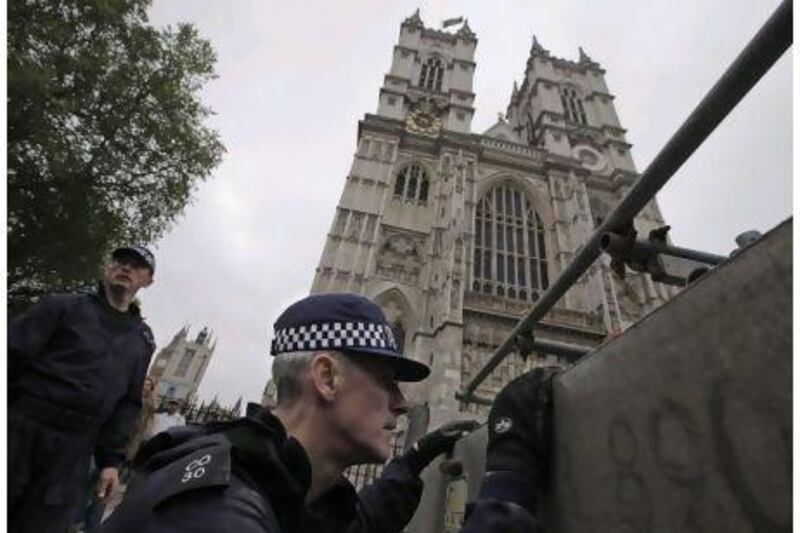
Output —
(503, 425)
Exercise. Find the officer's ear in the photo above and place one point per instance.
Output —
(326, 376)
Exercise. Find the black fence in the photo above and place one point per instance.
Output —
(195, 413)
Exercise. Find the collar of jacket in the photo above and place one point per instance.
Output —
(295, 470)
(340, 501)
(274, 461)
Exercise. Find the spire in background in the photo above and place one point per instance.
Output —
(466, 32)
(414, 21)
(537, 49)
(237, 408)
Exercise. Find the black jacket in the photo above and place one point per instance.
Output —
(75, 352)
(248, 476)
(506, 503)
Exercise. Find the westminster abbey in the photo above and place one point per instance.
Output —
(456, 233)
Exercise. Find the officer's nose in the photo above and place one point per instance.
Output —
(397, 402)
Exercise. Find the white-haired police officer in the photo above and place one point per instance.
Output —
(76, 364)
(336, 372)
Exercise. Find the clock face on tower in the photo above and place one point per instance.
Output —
(423, 123)
(590, 158)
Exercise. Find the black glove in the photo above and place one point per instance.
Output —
(521, 426)
(436, 443)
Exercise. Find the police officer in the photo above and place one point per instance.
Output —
(336, 372)
(76, 364)
(517, 457)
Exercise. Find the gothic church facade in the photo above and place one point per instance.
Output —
(179, 367)
(456, 234)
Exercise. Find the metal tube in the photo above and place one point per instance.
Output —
(686, 253)
(771, 41)
(614, 245)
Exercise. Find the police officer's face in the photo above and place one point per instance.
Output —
(128, 271)
(370, 402)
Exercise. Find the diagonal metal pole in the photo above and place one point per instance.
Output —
(763, 50)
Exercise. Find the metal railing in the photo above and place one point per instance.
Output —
(199, 413)
(764, 49)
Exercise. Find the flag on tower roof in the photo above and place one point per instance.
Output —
(452, 22)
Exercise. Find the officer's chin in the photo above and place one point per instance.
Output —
(376, 454)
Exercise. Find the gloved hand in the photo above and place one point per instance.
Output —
(521, 426)
(436, 443)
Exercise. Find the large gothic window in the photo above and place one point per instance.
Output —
(412, 185)
(431, 75)
(510, 259)
(573, 105)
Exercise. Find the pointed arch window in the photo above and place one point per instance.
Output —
(431, 75)
(510, 259)
(411, 185)
(529, 129)
(573, 105)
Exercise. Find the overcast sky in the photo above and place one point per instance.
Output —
(295, 78)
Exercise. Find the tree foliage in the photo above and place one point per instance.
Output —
(106, 134)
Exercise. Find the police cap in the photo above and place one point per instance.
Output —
(144, 255)
(346, 323)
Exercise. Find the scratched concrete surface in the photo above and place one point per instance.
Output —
(682, 424)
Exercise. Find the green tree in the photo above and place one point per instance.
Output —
(106, 135)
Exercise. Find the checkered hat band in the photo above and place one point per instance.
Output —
(333, 335)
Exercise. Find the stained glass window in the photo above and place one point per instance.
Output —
(510, 258)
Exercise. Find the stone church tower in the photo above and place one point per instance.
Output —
(179, 367)
(456, 233)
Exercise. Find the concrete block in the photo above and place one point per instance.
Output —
(684, 422)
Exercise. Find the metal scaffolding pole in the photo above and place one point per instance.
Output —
(766, 47)
(616, 245)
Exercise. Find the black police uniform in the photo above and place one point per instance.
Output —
(76, 368)
(520, 430)
(248, 476)
(507, 503)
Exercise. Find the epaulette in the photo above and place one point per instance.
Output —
(203, 468)
(147, 333)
